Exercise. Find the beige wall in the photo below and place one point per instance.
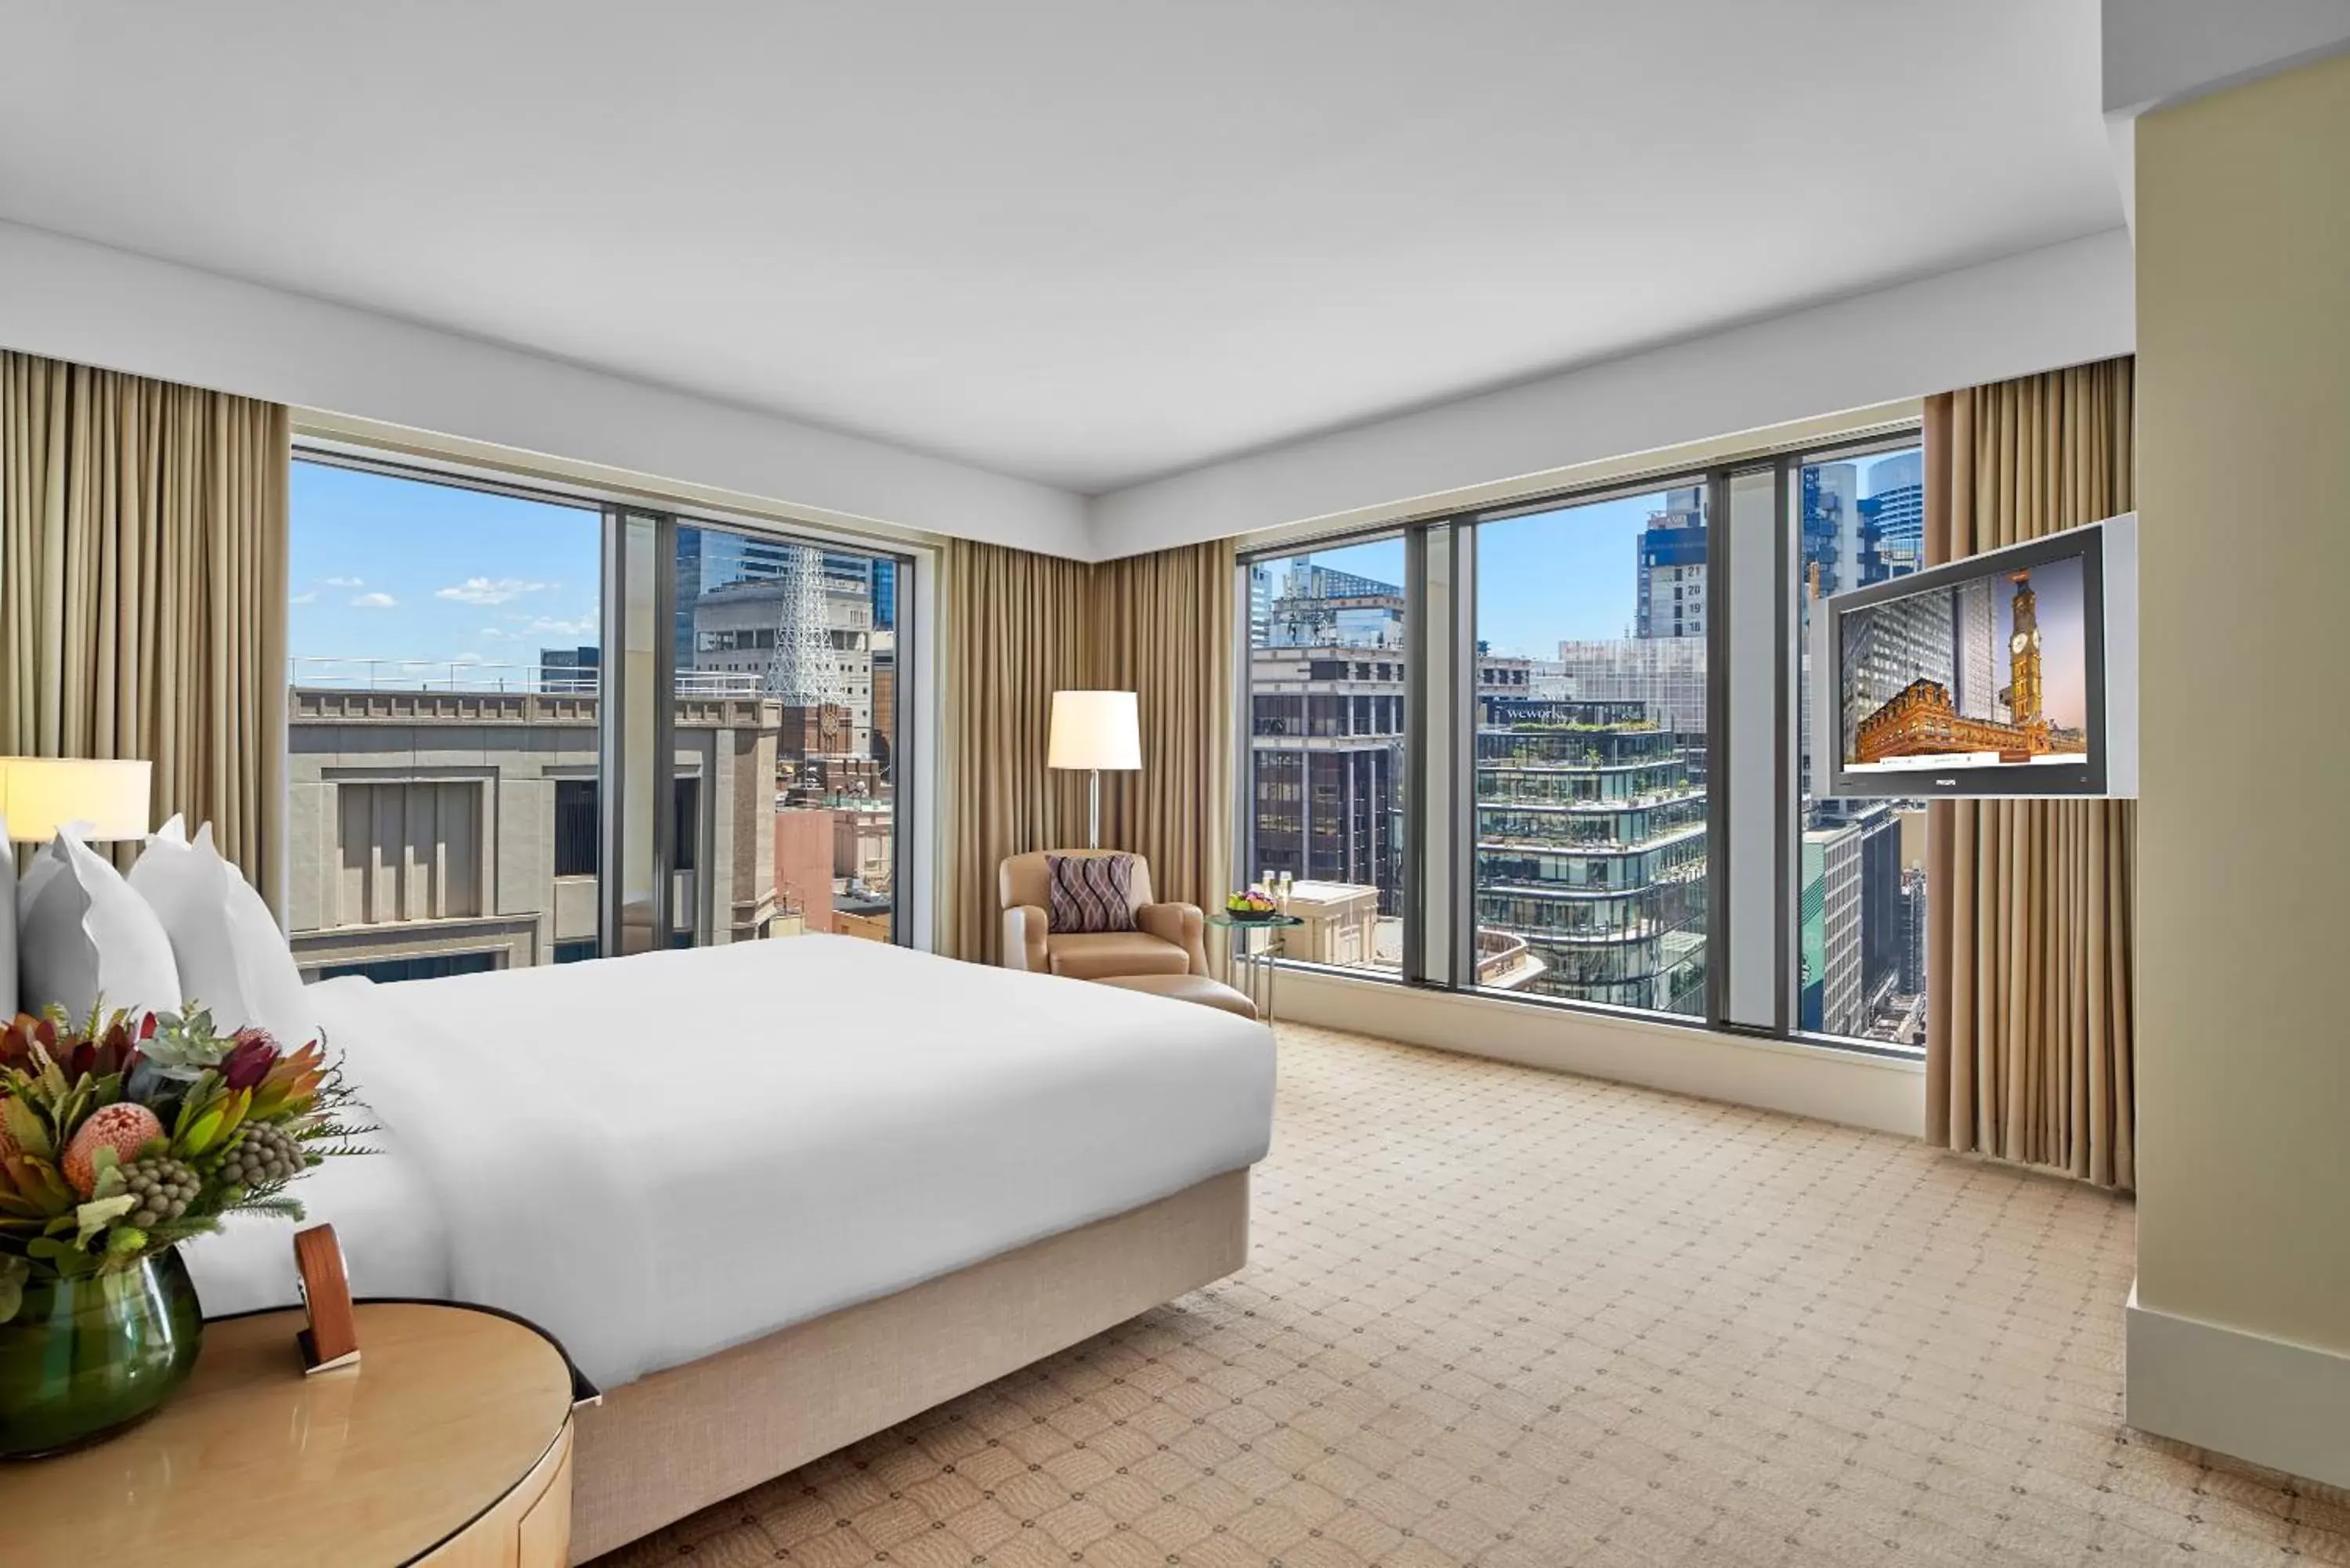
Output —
(2243, 305)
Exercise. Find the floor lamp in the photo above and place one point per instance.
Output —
(1093, 730)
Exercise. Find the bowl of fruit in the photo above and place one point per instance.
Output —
(1256, 904)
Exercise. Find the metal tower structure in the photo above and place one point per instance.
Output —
(805, 672)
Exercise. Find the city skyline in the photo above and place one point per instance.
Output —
(1527, 607)
(392, 580)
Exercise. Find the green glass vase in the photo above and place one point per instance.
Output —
(83, 1358)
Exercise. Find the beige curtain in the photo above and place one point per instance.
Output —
(1020, 627)
(1162, 627)
(142, 590)
(1014, 633)
(2031, 918)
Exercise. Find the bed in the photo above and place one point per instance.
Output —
(776, 1196)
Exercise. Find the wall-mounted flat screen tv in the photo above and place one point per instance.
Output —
(2013, 672)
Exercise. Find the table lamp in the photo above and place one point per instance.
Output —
(99, 798)
(1093, 730)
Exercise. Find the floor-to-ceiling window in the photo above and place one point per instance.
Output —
(1601, 700)
(786, 686)
(443, 725)
(1590, 767)
(532, 728)
(1860, 947)
(1327, 639)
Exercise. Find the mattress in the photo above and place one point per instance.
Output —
(656, 1158)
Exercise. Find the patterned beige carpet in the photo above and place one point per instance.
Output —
(1504, 1318)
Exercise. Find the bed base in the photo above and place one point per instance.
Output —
(669, 1445)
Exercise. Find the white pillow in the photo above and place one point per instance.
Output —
(82, 935)
(232, 957)
(8, 924)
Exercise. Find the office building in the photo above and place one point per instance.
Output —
(1326, 767)
(805, 641)
(1669, 578)
(1664, 675)
(441, 832)
(1893, 518)
(1591, 848)
(573, 669)
(1829, 935)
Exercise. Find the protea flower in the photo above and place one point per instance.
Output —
(100, 1047)
(25, 1042)
(292, 1081)
(249, 1060)
(107, 1052)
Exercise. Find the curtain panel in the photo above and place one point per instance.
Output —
(1020, 627)
(2031, 911)
(1163, 628)
(142, 591)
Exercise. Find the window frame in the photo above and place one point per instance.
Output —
(1438, 887)
(1791, 666)
(914, 718)
(911, 763)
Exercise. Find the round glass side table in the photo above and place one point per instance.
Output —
(1253, 959)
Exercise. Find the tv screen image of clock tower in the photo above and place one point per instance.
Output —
(1990, 671)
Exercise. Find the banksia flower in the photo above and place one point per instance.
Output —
(161, 1191)
(260, 1154)
(125, 1127)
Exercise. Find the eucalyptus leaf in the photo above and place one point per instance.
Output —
(106, 1172)
(99, 1214)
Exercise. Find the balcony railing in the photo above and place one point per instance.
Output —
(489, 676)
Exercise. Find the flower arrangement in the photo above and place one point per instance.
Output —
(124, 1136)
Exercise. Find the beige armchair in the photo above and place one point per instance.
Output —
(1168, 939)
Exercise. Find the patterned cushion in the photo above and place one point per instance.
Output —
(1091, 892)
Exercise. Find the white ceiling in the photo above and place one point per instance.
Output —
(1081, 241)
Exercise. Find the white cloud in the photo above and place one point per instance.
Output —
(580, 628)
(374, 602)
(309, 598)
(346, 582)
(488, 591)
(493, 633)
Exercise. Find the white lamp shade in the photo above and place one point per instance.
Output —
(38, 796)
(1094, 729)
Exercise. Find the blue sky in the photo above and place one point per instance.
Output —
(390, 568)
(1540, 578)
(1571, 573)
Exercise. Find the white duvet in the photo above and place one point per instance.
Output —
(658, 1157)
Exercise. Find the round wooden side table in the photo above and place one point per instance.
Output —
(447, 1444)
